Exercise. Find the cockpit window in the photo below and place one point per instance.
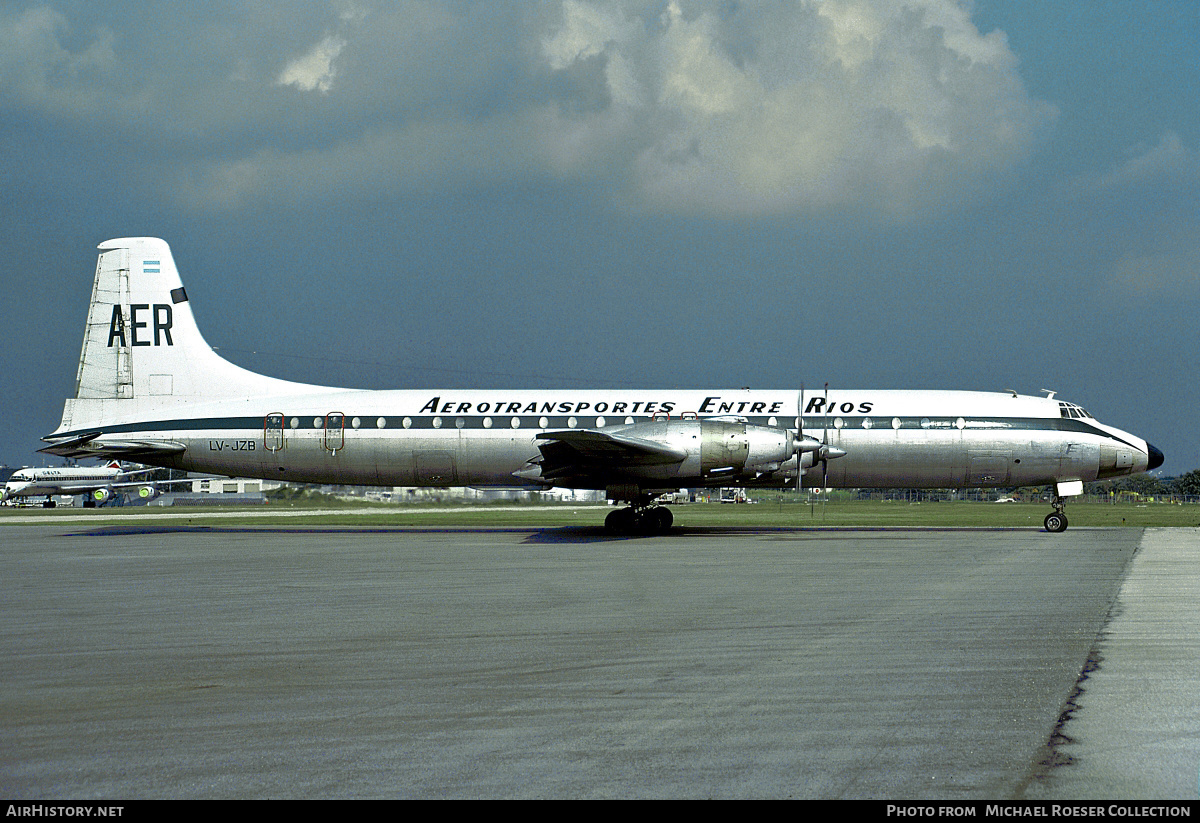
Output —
(1072, 411)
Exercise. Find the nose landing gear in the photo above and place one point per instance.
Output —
(1056, 521)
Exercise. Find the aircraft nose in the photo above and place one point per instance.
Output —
(1154, 458)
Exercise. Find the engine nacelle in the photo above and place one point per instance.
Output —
(147, 492)
(101, 495)
(742, 449)
(716, 449)
(636, 461)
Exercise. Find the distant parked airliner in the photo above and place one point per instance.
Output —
(99, 483)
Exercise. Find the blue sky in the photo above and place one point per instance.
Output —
(390, 194)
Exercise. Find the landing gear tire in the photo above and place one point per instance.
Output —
(662, 519)
(619, 521)
(1056, 522)
(652, 520)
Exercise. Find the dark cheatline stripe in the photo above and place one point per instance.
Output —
(502, 422)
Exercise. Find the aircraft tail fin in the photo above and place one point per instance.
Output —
(142, 348)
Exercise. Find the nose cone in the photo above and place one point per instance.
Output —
(1154, 458)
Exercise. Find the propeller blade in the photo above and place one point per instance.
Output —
(800, 437)
(825, 446)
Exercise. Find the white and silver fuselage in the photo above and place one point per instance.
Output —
(915, 439)
(150, 388)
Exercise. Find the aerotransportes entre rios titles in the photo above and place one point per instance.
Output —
(150, 388)
(708, 406)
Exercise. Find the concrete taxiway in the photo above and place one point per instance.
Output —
(273, 661)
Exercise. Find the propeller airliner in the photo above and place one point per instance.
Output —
(149, 388)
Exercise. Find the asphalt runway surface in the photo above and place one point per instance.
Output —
(276, 662)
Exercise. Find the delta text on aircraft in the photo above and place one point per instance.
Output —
(150, 388)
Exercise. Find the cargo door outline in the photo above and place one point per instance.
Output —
(1079, 459)
(435, 468)
(987, 467)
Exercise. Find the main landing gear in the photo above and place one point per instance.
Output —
(639, 520)
(1056, 521)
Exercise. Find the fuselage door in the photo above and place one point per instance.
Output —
(435, 468)
(988, 467)
(335, 431)
(273, 432)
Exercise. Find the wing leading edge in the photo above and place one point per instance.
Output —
(597, 454)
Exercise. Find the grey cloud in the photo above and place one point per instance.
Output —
(39, 70)
(707, 108)
(1169, 158)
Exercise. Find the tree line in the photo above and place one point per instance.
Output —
(1185, 485)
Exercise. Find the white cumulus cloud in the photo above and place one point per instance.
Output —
(897, 107)
(314, 71)
(755, 108)
(1168, 158)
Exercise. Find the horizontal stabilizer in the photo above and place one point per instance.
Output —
(69, 446)
(90, 446)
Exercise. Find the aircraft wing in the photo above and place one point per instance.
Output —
(152, 483)
(68, 487)
(89, 445)
(72, 488)
(621, 448)
(589, 452)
